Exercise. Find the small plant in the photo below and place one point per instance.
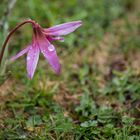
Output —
(41, 42)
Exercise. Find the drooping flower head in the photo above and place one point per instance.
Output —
(42, 42)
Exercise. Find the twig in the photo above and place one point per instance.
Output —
(7, 12)
(4, 27)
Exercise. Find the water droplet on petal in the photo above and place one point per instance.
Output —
(28, 58)
(51, 48)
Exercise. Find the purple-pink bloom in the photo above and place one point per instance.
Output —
(41, 42)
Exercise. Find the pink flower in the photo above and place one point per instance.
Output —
(41, 42)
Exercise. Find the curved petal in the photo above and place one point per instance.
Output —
(49, 52)
(20, 54)
(61, 39)
(32, 60)
(63, 29)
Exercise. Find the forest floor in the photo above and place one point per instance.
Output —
(97, 95)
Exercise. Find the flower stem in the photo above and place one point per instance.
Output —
(10, 34)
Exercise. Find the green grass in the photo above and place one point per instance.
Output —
(97, 95)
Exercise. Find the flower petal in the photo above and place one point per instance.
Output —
(61, 39)
(32, 60)
(63, 29)
(49, 52)
(20, 54)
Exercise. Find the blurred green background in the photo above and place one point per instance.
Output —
(97, 95)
